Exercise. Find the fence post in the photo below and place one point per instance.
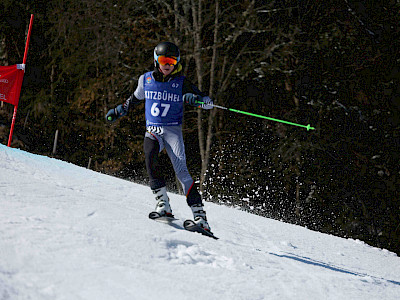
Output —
(55, 142)
(90, 162)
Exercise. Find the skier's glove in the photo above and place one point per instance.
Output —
(115, 113)
(198, 101)
(207, 103)
(192, 99)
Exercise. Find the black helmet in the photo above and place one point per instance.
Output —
(167, 49)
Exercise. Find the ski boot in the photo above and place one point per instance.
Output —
(162, 208)
(199, 216)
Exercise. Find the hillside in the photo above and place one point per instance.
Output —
(70, 233)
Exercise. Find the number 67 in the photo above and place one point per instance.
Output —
(155, 111)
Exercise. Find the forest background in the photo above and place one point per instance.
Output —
(332, 64)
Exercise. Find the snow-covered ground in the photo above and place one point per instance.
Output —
(70, 233)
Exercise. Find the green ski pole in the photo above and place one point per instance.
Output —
(308, 127)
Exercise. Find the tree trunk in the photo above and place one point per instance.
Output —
(211, 118)
(196, 11)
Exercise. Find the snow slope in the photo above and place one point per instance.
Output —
(70, 233)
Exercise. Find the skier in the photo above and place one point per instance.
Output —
(165, 90)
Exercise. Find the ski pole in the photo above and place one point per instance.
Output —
(308, 127)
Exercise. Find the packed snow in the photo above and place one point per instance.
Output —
(71, 233)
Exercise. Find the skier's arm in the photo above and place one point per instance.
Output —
(192, 96)
(136, 97)
(122, 109)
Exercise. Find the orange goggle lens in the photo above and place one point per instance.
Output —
(164, 60)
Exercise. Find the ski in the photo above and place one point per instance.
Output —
(192, 226)
(163, 219)
(189, 225)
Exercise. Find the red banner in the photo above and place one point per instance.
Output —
(10, 83)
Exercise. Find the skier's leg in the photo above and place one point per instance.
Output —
(176, 151)
(157, 182)
(151, 151)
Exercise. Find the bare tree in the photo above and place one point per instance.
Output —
(220, 60)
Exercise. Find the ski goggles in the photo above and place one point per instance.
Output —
(167, 60)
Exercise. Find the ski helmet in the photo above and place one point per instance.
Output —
(167, 49)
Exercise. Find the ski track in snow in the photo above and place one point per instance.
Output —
(71, 233)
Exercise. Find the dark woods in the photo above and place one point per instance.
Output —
(334, 65)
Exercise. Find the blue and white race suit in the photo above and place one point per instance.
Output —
(164, 116)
